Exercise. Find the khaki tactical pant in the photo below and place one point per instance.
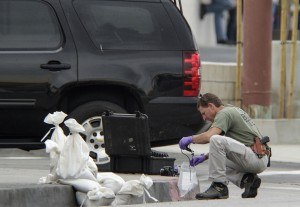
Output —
(229, 160)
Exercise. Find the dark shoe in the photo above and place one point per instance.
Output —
(215, 191)
(251, 183)
(202, 11)
(225, 42)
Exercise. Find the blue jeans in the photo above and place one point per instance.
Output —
(218, 7)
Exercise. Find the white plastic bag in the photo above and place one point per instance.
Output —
(92, 167)
(188, 184)
(100, 193)
(58, 135)
(132, 190)
(56, 143)
(110, 180)
(82, 185)
(74, 157)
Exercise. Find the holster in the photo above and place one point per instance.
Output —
(261, 149)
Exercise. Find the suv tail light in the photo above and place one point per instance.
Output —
(191, 72)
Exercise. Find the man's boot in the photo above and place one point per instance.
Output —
(251, 183)
(215, 191)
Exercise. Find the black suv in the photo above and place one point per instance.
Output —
(87, 56)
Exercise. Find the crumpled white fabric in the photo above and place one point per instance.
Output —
(82, 185)
(56, 143)
(74, 157)
(134, 188)
(58, 135)
(110, 180)
(92, 167)
(146, 181)
(100, 193)
(73, 126)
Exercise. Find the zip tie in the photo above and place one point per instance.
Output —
(148, 194)
(47, 134)
(86, 197)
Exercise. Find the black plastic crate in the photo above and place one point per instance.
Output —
(127, 164)
(139, 164)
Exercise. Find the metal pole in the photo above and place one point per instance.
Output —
(239, 44)
(257, 50)
(293, 60)
(282, 58)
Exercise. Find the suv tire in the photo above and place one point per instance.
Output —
(89, 115)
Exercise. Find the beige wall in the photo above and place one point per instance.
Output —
(219, 78)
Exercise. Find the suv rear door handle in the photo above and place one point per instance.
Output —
(54, 65)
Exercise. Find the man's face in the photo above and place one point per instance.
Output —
(208, 113)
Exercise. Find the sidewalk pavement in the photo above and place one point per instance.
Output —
(164, 188)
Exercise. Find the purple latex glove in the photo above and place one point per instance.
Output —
(197, 160)
(185, 141)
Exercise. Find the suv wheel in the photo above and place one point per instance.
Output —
(89, 115)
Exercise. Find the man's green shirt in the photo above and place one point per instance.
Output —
(236, 124)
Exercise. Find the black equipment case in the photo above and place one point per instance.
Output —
(127, 142)
(126, 134)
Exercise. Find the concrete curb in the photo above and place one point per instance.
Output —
(49, 195)
(45, 195)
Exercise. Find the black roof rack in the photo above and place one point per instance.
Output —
(178, 4)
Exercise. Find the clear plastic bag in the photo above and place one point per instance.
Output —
(188, 184)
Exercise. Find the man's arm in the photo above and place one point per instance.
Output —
(204, 137)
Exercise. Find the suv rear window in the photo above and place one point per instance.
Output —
(127, 25)
(28, 25)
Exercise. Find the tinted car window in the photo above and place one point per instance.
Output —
(28, 25)
(127, 25)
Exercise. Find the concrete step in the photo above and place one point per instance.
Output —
(164, 189)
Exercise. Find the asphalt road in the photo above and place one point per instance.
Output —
(280, 183)
(219, 53)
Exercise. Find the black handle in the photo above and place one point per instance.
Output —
(54, 65)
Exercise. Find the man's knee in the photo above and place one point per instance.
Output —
(217, 139)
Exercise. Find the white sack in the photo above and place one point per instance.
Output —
(133, 190)
(56, 143)
(52, 146)
(82, 185)
(146, 181)
(100, 193)
(74, 157)
(92, 167)
(110, 180)
(58, 135)
(129, 193)
(73, 126)
(55, 118)
(132, 187)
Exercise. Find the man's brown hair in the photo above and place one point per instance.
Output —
(205, 99)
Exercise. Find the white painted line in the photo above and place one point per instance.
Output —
(282, 188)
(294, 172)
(23, 158)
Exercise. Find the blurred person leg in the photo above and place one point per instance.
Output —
(218, 7)
(231, 26)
